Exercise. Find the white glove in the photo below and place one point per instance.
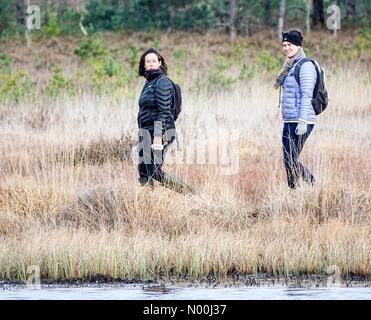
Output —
(301, 128)
(157, 146)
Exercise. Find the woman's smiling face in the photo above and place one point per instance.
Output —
(151, 61)
(289, 49)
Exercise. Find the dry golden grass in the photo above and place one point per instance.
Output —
(70, 202)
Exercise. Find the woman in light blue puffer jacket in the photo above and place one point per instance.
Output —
(296, 106)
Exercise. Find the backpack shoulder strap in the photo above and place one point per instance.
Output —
(297, 69)
(164, 76)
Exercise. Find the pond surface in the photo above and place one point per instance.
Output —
(181, 292)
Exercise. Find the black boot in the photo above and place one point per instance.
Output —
(146, 182)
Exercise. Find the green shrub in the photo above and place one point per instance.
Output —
(91, 46)
(108, 75)
(16, 86)
(69, 23)
(248, 72)
(179, 55)
(58, 84)
(5, 63)
(221, 63)
(269, 62)
(133, 57)
(218, 80)
(7, 15)
(52, 28)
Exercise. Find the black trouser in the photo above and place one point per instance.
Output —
(292, 146)
(151, 161)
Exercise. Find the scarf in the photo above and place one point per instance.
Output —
(289, 62)
(154, 73)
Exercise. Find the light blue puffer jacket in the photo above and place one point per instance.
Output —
(296, 102)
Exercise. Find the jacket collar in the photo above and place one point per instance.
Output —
(153, 74)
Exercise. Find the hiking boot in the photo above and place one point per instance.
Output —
(146, 182)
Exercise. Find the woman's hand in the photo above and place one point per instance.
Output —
(157, 143)
(301, 128)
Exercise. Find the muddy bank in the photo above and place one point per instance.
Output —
(261, 280)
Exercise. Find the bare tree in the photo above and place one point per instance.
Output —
(318, 13)
(309, 7)
(233, 18)
(281, 19)
(61, 9)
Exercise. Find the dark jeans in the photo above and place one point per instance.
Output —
(292, 146)
(151, 161)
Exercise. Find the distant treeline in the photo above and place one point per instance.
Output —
(234, 17)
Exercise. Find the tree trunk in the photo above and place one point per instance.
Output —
(20, 12)
(61, 9)
(351, 9)
(27, 33)
(233, 18)
(281, 19)
(309, 7)
(318, 13)
(267, 12)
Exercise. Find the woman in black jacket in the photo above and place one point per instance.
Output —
(156, 123)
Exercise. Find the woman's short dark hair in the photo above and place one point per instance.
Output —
(141, 69)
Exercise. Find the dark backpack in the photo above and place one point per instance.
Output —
(320, 95)
(176, 105)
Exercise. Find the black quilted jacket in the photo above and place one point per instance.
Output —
(155, 103)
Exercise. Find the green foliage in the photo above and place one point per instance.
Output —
(52, 28)
(218, 77)
(6, 15)
(236, 52)
(91, 46)
(269, 62)
(337, 52)
(100, 14)
(219, 80)
(179, 54)
(109, 76)
(169, 15)
(366, 32)
(69, 23)
(58, 84)
(197, 17)
(362, 48)
(5, 63)
(248, 72)
(14, 87)
(151, 15)
(221, 63)
(133, 56)
(180, 57)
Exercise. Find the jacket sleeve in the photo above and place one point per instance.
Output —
(308, 78)
(163, 101)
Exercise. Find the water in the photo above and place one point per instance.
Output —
(136, 292)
